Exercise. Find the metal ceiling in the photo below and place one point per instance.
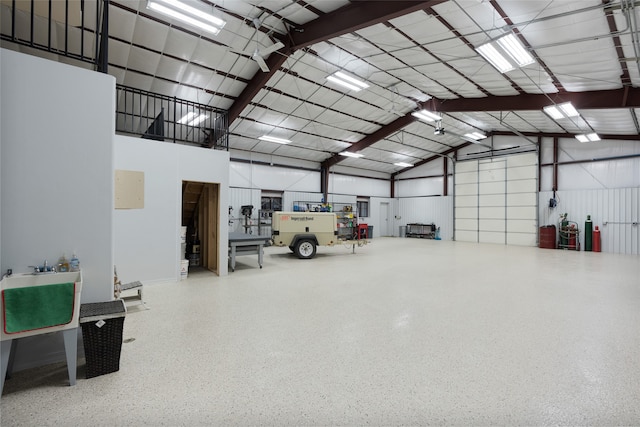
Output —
(413, 55)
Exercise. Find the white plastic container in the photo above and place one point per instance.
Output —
(184, 269)
(183, 234)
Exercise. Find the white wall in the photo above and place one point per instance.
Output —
(621, 173)
(248, 175)
(427, 210)
(56, 168)
(147, 241)
(382, 222)
(619, 208)
(359, 186)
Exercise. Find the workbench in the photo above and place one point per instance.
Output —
(245, 244)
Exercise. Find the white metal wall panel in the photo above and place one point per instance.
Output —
(361, 186)
(491, 188)
(523, 226)
(521, 239)
(466, 189)
(426, 210)
(492, 226)
(289, 197)
(466, 212)
(492, 212)
(464, 224)
(462, 167)
(614, 210)
(491, 237)
(521, 212)
(522, 186)
(467, 201)
(419, 187)
(522, 199)
(522, 172)
(491, 173)
(466, 177)
(466, 235)
(491, 199)
(507, 200)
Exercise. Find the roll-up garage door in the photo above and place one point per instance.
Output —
(496, 200)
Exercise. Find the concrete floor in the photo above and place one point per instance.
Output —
(404, 331)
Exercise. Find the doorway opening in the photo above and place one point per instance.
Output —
(201, 216)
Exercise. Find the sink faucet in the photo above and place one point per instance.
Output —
(44, 268)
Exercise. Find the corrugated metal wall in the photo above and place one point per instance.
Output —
(427, 210)
(294, 196)
(618, 208)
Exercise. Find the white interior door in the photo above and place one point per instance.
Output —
(384, 219)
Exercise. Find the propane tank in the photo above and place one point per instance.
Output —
(596, 240)
(588, 234)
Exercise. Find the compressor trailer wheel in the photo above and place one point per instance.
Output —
(305, 249)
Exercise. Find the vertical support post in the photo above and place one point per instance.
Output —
(539, 164)
(324, 182)
(103, 57)
(555, 163)
(13, 20)
(49, 26)
(445, 174)
(66, 27)
(392, 191)
(82, 30)
(32, 19)
(175, 119)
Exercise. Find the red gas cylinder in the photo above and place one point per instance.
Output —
(596, 240)
(572, 237)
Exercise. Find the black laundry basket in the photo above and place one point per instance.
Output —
(102, 324)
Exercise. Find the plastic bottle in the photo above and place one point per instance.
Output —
(63, 264)
(75, 263)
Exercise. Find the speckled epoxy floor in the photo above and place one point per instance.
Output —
(403, 332)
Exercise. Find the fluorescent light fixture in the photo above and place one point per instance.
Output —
(403, 165)
(347, 81)
(591, 137)
(426, 115)
(561, 111)
(192, 119)
(515, 50)
(506, 53)
(554, 112)
(495, 58)
(188, 14)
(187, 118)
(198, 120)
(273, 139)
(350, 154)
(476, 136)
(568, 109)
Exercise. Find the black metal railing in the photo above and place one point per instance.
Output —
(165, 118)
(72, 28)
